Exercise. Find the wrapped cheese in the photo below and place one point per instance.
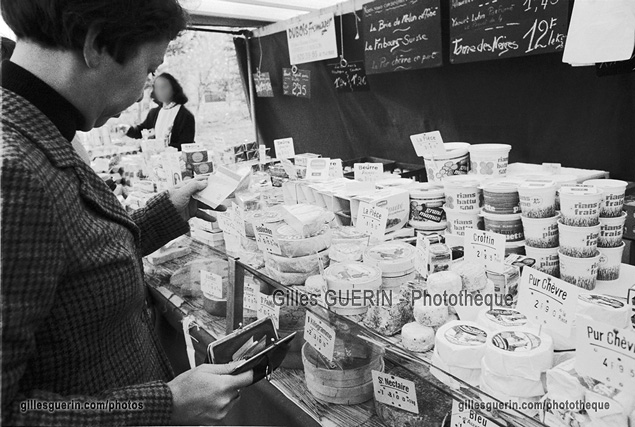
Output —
(307, 220)
(440, 371)
(520, 353)
(345, 252)
(526, 402)
(303, 264)
(511, 385)
(294, 245)
(604, 308)
(287, 279)
(429, 315)
(269, 217)
(349, 235)
(473, 275)
(394, 259)
(498, 318)
(416, 337)
(461, 344)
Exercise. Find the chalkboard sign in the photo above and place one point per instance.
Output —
(350, 77)
(262, 81)
(296, 84)
(402, 35)
(490, 29)
(618, 67)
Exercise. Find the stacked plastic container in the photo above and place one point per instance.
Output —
(501, 212)
(463, 203)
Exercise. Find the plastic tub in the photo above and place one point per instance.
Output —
(458, 222)
(541, 232)
(537, 198)
(581, 272)
(561, 180)
(610, 263)
(489, 159)
(511, 226)
(614, 192)
(580, 205)
(463, 193)
(456, 161)
(611, 231)
(547, 259)
(501, 197)
(426, 207)
(578, 242)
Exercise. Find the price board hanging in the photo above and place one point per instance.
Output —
(296, 82)
(486, 248)
(262, 83)
(349, 77)
(482, 30)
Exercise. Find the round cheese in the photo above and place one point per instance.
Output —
(440, 370)
(345, 252)
(416, 337)
(303, 264)
(289, 278)
(461, 343)
(520, 353)
(349, 235)
(605, 309)
(447, 281)
(392, 258)
(315, 284)
(472, 274)
(429, 315)
(528, 402)
(294, 245)
(511, 385)
(498, 318)
(352, 275)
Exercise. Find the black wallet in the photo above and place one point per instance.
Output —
(256, 346)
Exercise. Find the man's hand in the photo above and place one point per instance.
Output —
(181, 198)
(205, 395)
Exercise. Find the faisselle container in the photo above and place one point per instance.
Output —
(580, 205)
(463, 193)
(455, 161)
(610, 263)
(426, 207)
(541, 232)
(489, 159)
(396, 260)
(614, 193)
(581, 272)
(537, 198)
(611, 231)
(458, 222)
(501, 196)
(547, 259)
(510, 226)
(578, 242)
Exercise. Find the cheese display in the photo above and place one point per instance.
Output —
(468, 375)
(461, 344)
(306, 220)
(417, 337)
(496, 318)
(263, 217)
(519, 353)
(444, 281)
(349, 235)
(346, 283)
(293, 244)
(511, 385)
(345, 252)
(305, 264)
(315, 284)
(388, 317)
(429, 314)
(604, 309)
(473, 275)
(395, 260)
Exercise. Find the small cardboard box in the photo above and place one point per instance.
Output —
(194, 153)
(203, 168)
(395, 200)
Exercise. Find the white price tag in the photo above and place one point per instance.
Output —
(250, 296)
(371, 220)
(605, 353)
(547, 301)
(284, 148)
(395, 391)
(319, 335)
(428, 144)
(335, 168)
(211, 285)
(268, 308)
(317, 168)
(267, 239)
(486, 248)
(467, 417)
(238, 218)
(422, 255)
(229, 224)
(368, 172)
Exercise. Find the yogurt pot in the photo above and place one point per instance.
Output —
(547, 259)
(578, 242)
(455, 161)
(463, 193)
(541, 232)
(510, 226)
(614, 193)
(489, 159)
(426, 207)
(581, 272)
(580, 205)
(458, 222)
(561, 180)
(501, 197)
(610, 263)
(611, 231)
(537, 198)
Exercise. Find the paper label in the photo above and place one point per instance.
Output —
(267, 308)
(284, 148)
(319, 335)
(467, 417)
(605, 353)
(422, 255)
(312, 39)
(250, 296)
(336, 169)
(368, 172)
(211, 285)
(221, 184)
(428, 144)
(267, 239)
(317, 169)
(466, 335)
(485, 248)
(262, 83)
(516, 341)
(547, 301)
(371, 220)
(228, 222)
(394, 391)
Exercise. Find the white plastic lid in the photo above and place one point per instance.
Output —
(490, 148)
(351, 274)
(427, 191)
(391, 257)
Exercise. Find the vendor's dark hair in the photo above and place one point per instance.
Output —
(124, 24)
(178, 95)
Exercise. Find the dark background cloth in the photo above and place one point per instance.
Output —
(548, 111)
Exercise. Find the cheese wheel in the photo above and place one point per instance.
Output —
(519, 352)
(440, 371)
(429, 315)
(345, 252)
(447, 281)
(461, 343)
(498, 318)
(303, 264)
(349, 235)
(392, 258)
(266, 217)
(472, 274)
(352, 275)
(605, 309)
(293, 245)
(564, 383)
(416, 337)
(527, 402)
(287, 279)
(510, 385)
(315, 284)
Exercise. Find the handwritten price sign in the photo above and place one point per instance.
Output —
(284, 148)
(268, 308)
(368, 172)
(395, 391)
(250, 296)
(211, 285)
(466, 417)
(547, 301)
(486, 248)
(267, 239)
(605, 353)
(428, 144)
(371, 220)
(319, 335)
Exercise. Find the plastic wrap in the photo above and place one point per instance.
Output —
(305, 264)
(293, 245)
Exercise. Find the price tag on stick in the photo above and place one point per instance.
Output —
(428, 144)
(395, 391)
(211, 285)
(267, 239)
(284, 148)
(486, 248)
(268, 308)
(319, 335)
(371, 220)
